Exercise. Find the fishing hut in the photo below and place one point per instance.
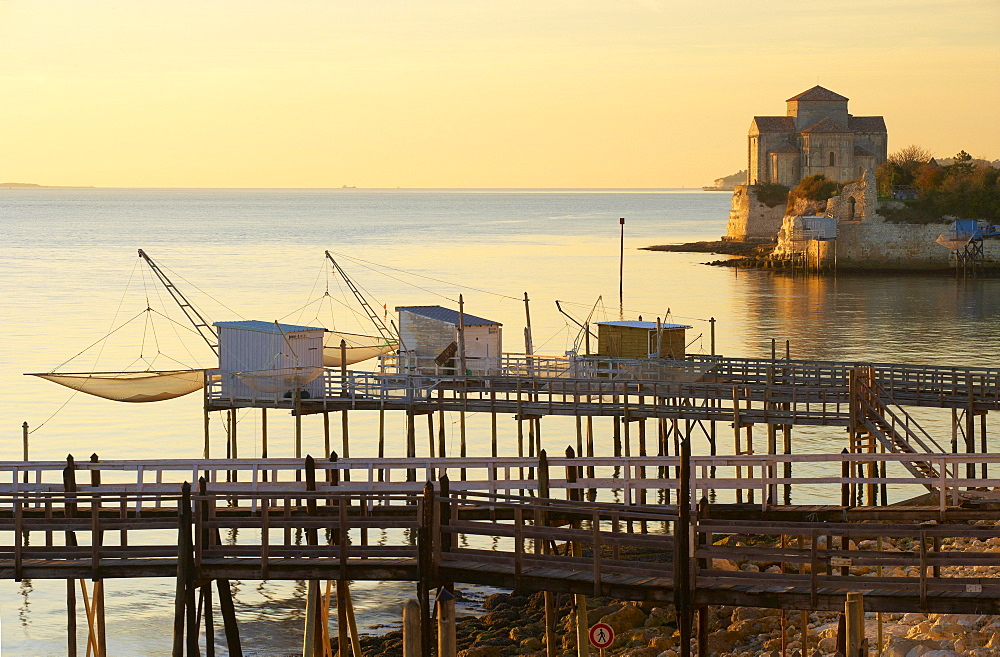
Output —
(639, 339)
(268, 360)
(437, 339)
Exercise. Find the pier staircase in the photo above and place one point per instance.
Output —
(877, 413)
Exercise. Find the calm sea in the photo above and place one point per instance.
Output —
(70, 276)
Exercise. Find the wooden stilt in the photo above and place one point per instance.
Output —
(70, 619)
(326, 432)
(92, 645)
(412, 641)
(703, 621)
(352, 622)
(206, 596)
(345, 438)
(381, 438)
(228, 612)
(411, 442)
(263, 437)
(430, 435)
(311, 626)
(447, 640)
(205, 418)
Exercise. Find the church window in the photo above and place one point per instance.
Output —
(833, 158)
(851, 207)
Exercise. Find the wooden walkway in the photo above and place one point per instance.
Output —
(439, 535)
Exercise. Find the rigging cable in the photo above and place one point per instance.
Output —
(430, 278)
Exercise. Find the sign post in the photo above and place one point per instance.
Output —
(601, 636)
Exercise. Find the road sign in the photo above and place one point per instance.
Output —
(601, 635)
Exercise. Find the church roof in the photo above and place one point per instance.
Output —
(817, 93)
(784, 148)
(827, 125)
(866, 123)
(861, 151)
(774, 123)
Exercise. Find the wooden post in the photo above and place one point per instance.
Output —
(703, 620)
(69, 487)
(541, 519)
(183, 548)
(24, 438)
(845, 488)
(447, 639)
(580, 600)
(228, 611)
(426, 560)
(854, 613)
(311, 626)
(412, 641)
(206, 421)
(70, 618)
(346, 441)
(206, 596)
(263, 437)
(326, 432)
(298, 422)
(682, 583)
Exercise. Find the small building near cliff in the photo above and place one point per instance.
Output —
(816, 135)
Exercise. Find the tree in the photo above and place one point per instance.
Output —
(963, 163)
(912, 154)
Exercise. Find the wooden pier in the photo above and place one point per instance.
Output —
(499, 529)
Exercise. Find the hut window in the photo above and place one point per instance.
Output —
(833, 158)
(491, 330)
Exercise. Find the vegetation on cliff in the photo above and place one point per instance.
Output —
(966, 188)
(772, 194)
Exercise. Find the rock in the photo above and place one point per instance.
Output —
(531, 643)
(662, 642)
(829, 644)
(897, 646)
(725, 564)
(627, 618)
(724, 640)
(481, 651)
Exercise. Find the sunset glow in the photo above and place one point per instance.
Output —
(467, 94)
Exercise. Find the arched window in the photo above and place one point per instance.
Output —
(833, 159)
(851, 203)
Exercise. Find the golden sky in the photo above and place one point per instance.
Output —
(467, 93)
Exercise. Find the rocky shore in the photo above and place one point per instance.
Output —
(514, 624)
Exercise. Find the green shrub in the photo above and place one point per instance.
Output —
(772, 194)
(815, 188)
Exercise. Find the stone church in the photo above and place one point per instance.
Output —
(816, 135)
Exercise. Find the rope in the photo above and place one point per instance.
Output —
(636, 312)
(430, 278)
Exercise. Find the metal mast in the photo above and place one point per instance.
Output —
(204, 329)
(387, 334)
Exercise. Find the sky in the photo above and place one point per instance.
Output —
(467, 93)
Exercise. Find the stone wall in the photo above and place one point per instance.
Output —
(867, 241)
(878, 244)
(750, 220)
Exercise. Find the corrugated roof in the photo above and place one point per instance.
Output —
(817, 93)
(827, 125)
(447, 315)
(266, 327)
(640, 324)
(866, 123)
(774, 123)
(784, 148)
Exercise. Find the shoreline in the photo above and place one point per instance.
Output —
(755, 255)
